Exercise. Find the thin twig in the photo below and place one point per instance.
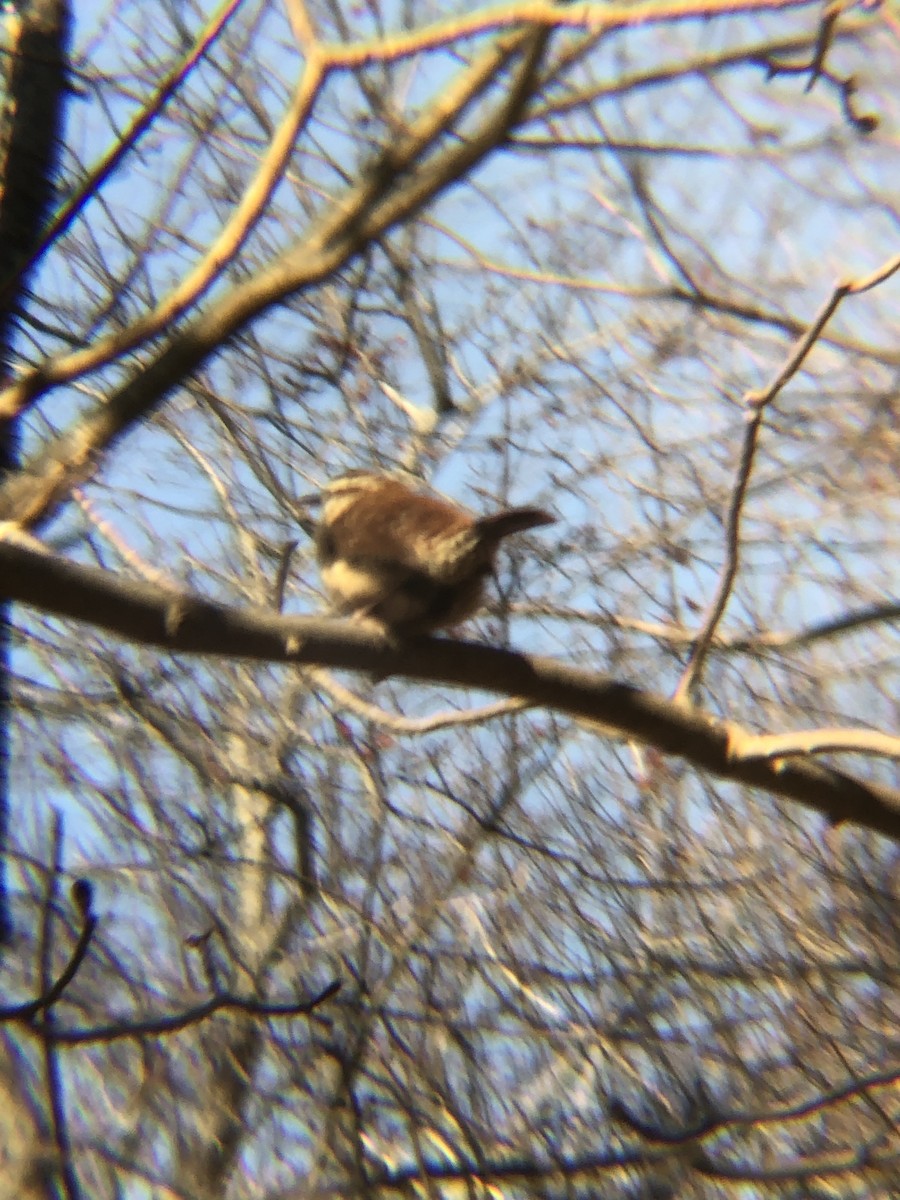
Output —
(593, 18)
(401, 725)
(46, 1022)
(756, 403)
(679, 635)
(284, 569)
(690, 678)
(159, 1026)
(823, 41)
(30, 1009)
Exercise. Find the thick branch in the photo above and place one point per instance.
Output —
(183, 623)
(816, 741)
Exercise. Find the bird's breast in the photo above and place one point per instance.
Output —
(356, 585)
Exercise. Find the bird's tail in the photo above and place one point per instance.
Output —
(512, 520)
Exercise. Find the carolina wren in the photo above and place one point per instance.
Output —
(410, 561)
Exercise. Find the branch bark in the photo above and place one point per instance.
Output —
(183, 623)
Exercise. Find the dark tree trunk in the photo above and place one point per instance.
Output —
(34, 78)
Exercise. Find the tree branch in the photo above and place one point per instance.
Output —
(184, 623)
(815, 741)
(81, 891)
(757, 402)
(158, 1026)
(394, 187)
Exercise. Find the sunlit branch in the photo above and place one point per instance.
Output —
(593, 17)
(416, 726)
(392, 189)
(492, 1173)
(222, 251)
(319, 60)
(111, 535)
(302, 25)
(141, 123)
(756, 54)
(816, 741)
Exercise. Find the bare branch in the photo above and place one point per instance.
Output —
(184, 623)
(160, 1026)
(418, 726)
(59, 1117)
(111, 160)
(392, 189)
(222, 250)
(816, 741)
(756, 403)
(30, 1009)
(593, 17)
(681, 635)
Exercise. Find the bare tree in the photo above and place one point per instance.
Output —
(598, 896)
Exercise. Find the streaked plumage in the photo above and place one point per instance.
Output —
(408, 560)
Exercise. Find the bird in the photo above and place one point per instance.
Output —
(407, 560)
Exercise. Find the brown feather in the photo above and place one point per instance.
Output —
(412, 561)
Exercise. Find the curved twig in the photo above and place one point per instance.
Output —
(30, 1009)
(159, 1026)
(756, 403)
